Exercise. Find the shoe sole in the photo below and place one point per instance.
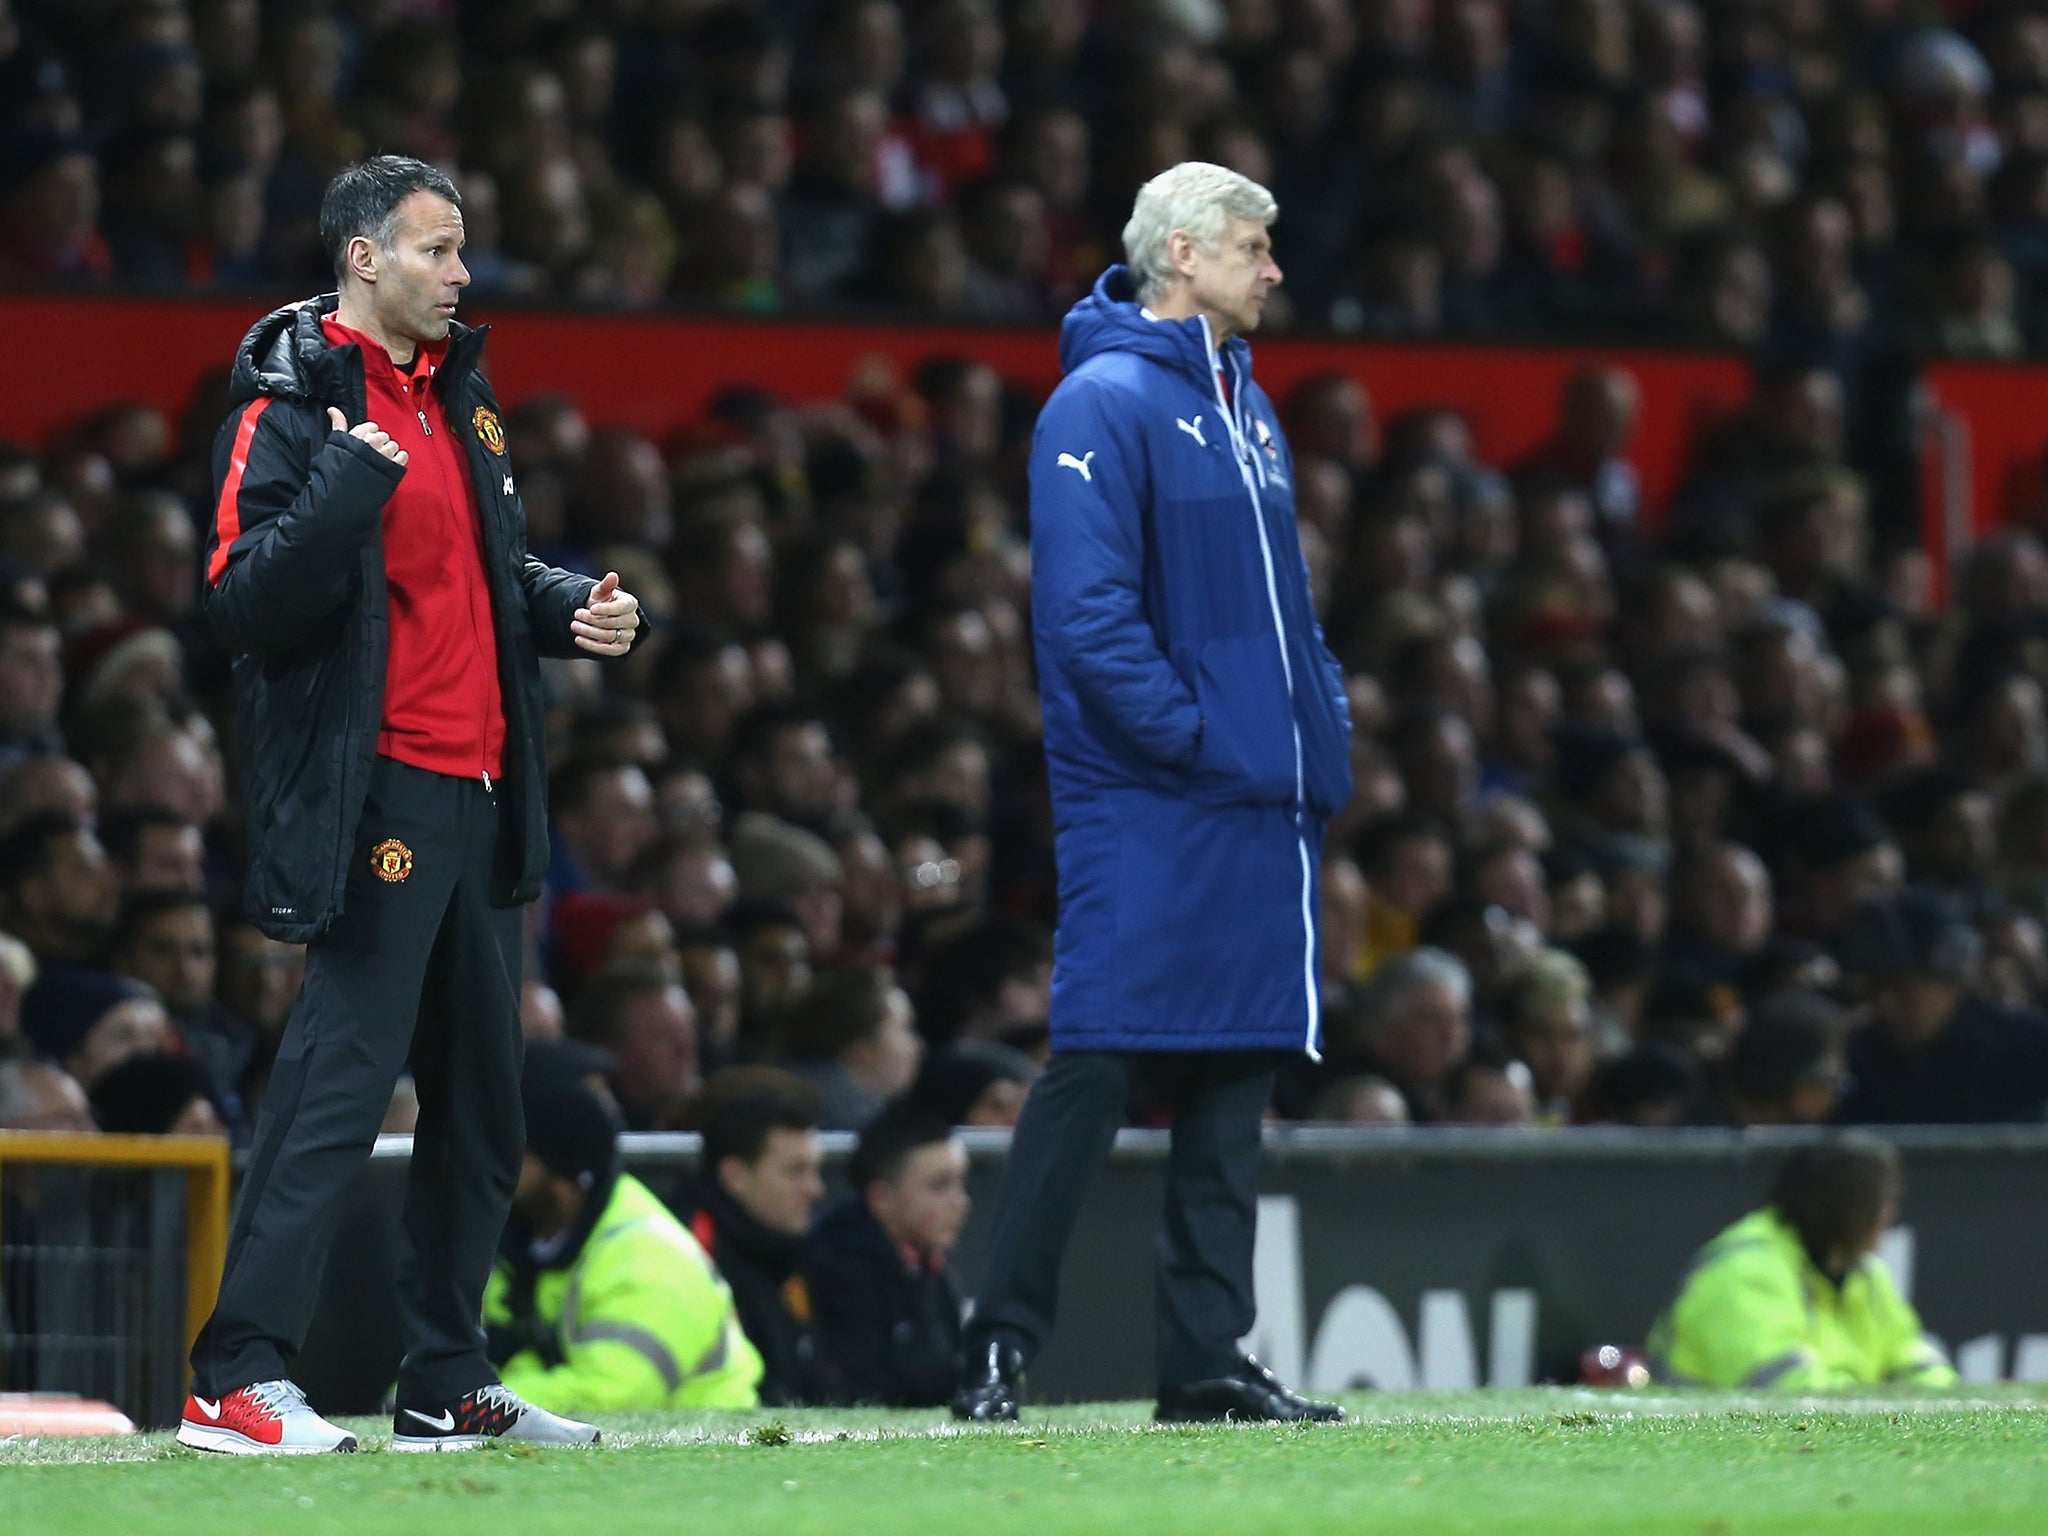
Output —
(1003, 1416)
(440, 1442)
(232, 1442)
(478, 1442)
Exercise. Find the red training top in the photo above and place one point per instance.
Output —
(442, 707)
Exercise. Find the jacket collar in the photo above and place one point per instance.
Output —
(1110, 319)
(762, 1246)
(287, 355)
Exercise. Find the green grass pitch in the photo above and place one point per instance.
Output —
(1484, 1462)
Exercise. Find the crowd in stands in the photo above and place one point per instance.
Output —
(1728, 826)
(1848, 177)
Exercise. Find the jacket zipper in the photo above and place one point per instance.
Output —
(1242, 453)
(483, 559)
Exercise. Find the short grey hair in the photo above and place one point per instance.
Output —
(1416, 971)
(1196, 198)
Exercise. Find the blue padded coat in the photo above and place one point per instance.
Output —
(1196, 729)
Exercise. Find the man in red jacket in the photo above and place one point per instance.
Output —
(368, 568)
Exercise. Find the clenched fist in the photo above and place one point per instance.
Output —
(370, 433)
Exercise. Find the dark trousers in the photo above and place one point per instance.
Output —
(420, 968)
(1204, 1276)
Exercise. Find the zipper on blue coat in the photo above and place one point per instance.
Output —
(1241, 452)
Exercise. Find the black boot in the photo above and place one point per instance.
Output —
(1249, 1394)
(991, 1382)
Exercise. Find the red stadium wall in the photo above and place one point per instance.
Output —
(1997, 420)
(72, 355)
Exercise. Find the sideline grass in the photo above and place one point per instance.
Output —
(1483, 1462)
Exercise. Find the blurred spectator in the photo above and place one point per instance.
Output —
(17, 975)
(1490, 1089)
(1653, 1085)
(783, 763)
(641, 1015)
(888, 1311)
(1413, 1028)
(750, 1205)
(259, 977)
(154, 850)
(1550, 1030)
(1788, 1067)
(49, 211)
(974, 1083)
(855, 1041)
(1721, 912)
(166, 941)
(991, 982)
(602, 815)
(1359, 1099)
(57, 889)
(1596, 420)
(780, 864)
(31, 683)
(39, 1096)
(88, 1022)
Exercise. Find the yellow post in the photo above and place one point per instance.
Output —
(205, 1160)
(206, 1237)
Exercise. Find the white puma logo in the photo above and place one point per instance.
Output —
(1068, 461)
(211, 1410)
(444, 1423)
(1193, 429)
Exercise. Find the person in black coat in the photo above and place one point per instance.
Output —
(1932, 1054)
(888, 1312)
(749, 1204)
(366, 566)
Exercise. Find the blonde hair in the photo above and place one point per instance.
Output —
(1552, 979)
(17, 961)
(1196, 198)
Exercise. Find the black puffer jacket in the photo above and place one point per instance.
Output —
(891, 1328)
(295, 589)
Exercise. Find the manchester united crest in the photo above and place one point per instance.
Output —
(391, 859)
(487, 428)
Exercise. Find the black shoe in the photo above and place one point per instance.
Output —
(484, 1417)
(1249, 1394)
(990, 1385)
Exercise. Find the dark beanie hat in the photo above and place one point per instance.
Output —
(954, 1078)
(1827, 831)
(1915, 932)
(1586, 755)
(59, 1011)
(144, 1095)
(569, 1130)
(1913, 804)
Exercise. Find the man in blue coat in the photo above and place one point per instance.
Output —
(1198, 740)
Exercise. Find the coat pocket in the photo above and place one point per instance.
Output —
(1248, 750)
(1325, 745)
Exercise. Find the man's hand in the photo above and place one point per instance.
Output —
(607, 621)
(370, 433)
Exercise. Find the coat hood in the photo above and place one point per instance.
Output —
(1111, 320)
(287, 355)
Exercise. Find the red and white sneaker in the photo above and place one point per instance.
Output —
(269, 1418)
